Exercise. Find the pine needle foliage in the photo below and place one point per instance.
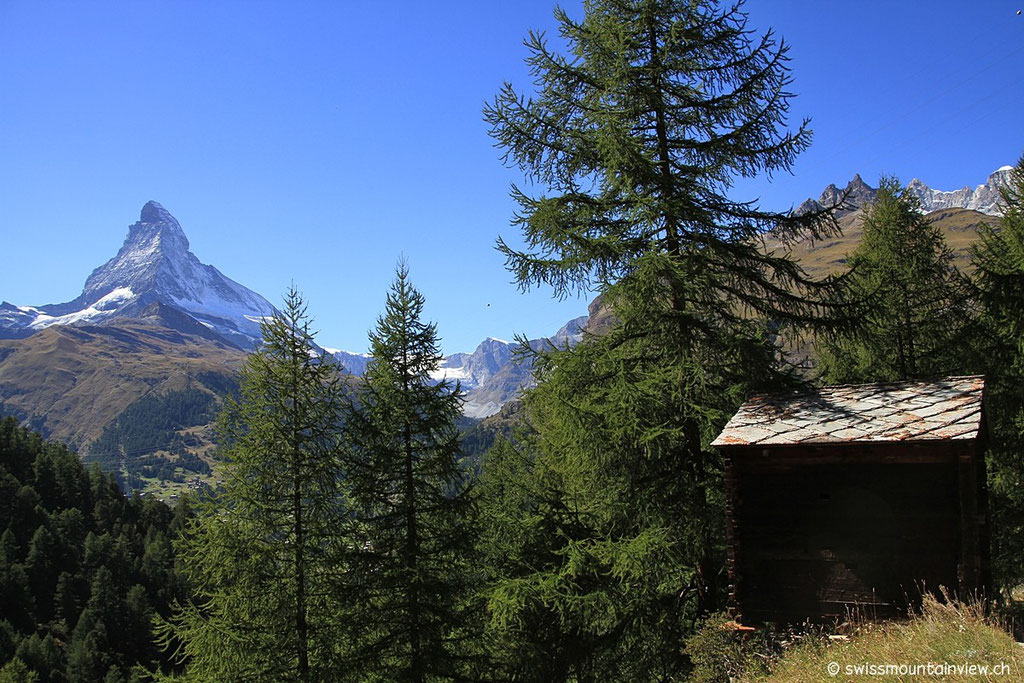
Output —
(918, 315)
(999, 276)
(412, 508)
(603, 525)
(265, 553)
(639, 134)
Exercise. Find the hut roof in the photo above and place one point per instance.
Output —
(944, 409)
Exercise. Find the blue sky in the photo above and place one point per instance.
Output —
(317, 142)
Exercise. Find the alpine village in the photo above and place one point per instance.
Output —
(782, 445)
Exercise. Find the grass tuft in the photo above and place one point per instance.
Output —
(948, 634)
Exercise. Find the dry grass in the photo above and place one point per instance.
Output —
(948, 634)
(959, 227)
(81, 379)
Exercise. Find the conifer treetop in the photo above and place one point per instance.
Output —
(637, 135)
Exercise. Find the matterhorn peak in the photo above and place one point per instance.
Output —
(154, 265)
(157, 230)
(154, 212)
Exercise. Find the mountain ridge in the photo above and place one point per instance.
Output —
(153, 265)
(984, 198)
(129, 334)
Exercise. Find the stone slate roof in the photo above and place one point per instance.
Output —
(949, 408)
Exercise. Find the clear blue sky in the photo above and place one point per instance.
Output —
(316, 142)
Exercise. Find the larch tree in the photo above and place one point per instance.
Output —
(412, 509)
(604, 528)
(265, 554)
(917, 318)
(999, 277)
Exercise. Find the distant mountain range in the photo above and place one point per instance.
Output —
(490, 375)
(984, 198)
(154, 319)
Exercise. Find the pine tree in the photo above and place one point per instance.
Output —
(15, 671)
(264, 554)
(411, 502)
(605, 539)
(917, 318)
(999, 276)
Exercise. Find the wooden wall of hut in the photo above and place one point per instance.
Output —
(818, 532)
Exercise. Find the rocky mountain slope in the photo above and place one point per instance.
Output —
(72, 381)
(491, 375)
(153, 266)
(984, 198)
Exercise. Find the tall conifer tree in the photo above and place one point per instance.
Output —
(999, 275)
(411, 504)
(265, 554)
(917, 318)
(605, 528)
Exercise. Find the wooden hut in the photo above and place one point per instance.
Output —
(854, 497)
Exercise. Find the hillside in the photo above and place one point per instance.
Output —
(83, 569)
(826, 257)
(71, 382)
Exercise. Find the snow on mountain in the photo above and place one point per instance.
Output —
(473, 369)
(984, 198)
(104, 307)
(572, 332)
(353, 363)
(489, 376)
(153, 265)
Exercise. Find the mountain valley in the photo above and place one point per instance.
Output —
(156, 322)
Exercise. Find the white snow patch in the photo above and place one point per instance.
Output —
(480, 410)
(449, 373)
(334, 352)
(1004, 168)
(497, 340)
(116, 296)
(101, 309)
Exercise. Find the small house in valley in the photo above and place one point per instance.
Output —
(854, 498)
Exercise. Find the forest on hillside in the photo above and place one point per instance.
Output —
(352, 538)
(83, 570)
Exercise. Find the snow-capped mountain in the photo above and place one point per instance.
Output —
(154, 265)
(984, 198)
(156, 278)
(473, 369)
(353, 363)
(490, 376)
